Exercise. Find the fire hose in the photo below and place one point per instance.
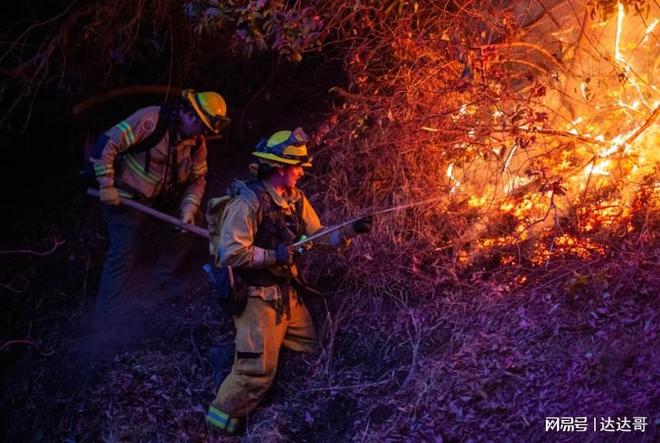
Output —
(327, 231)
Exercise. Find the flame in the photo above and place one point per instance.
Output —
(598, 168)
(618, 56)
(454, 180)
(619, 27)
(561, 203)
(649, 30)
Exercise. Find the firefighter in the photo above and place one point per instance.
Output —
(259, 224)
(157, 156)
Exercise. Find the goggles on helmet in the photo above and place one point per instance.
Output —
(298, 137)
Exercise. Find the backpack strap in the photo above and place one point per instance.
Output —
(175, 153)
(165, 117)
(215, 211)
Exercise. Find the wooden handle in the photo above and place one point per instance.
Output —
(157, 214)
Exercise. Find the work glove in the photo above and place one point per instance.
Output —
(109, 195)
(188, 215)
(363, 225)
(283, 255)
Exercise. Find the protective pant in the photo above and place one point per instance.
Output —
(123, 225)
(123, 230)
(260, 332)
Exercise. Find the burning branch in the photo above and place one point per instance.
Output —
(521, 139)
(649, 121)
(526, 45)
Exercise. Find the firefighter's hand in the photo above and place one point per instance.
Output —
(283, 255)
(188, 216)
(363, 225)
(109, 195)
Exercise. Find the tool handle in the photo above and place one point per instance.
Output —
(157, 214)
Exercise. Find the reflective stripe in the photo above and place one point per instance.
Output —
(222, 415)
(198, 173)
(102, 170)
(217, 417)
(201, 170)
(221, 420)
(215, 422)
(192, 198)
(138, 169)
(126, 132)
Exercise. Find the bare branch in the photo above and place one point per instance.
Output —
(56, 244)
(26, 342)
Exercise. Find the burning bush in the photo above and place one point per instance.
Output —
(531, 130)
(527, 133)
(518, 280)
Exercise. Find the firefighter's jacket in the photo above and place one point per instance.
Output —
(127, 172)
(240, 225)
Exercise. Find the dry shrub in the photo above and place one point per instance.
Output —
(474, 315)
(535, 147)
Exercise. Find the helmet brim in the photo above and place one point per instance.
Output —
(305, 163)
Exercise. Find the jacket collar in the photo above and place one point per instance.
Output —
(285, 201)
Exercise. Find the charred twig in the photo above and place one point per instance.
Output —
(31, 28)
(12, 288)
(355, 97)
(56, 244)
(348, 387)
(414, 343)
(274, 70)
(26, 342)
(194, 343)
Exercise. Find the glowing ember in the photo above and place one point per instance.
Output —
(567, 246)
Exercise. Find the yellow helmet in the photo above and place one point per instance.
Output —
(210, 108)
(285, 147)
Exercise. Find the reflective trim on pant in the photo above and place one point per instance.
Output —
(260, 333)
(221, 420)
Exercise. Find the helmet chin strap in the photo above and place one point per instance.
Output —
(176, 119)
(277, 181)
